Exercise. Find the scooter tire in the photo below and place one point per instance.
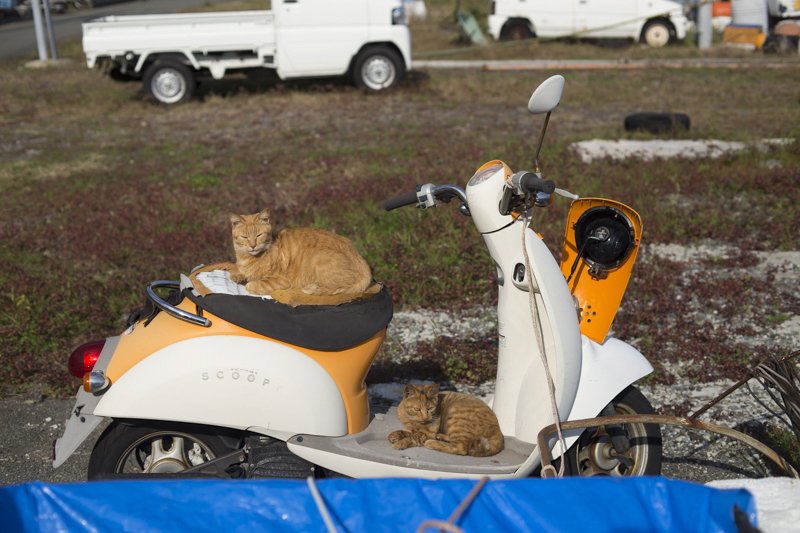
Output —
(125, 447)
(589, 455)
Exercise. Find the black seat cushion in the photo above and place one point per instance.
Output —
(329, 328)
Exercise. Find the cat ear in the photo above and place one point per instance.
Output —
(263, 215)
(236, 220)
(407, 390)
(433, 390)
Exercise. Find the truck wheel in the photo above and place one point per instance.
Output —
(169, 82)
(657, 33)
(516, 30)
(156, 448)
(377, 69)
(594, 454)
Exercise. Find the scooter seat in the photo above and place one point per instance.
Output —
(329, 328)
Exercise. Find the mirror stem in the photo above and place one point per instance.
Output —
(541, 140)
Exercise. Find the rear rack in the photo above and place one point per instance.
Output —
(170, 309)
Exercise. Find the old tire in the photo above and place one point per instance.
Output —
(377, 69)
(156, 448)
(169, 82)
(657, 33)
(657, 122)
(594, 455)
(516, 30)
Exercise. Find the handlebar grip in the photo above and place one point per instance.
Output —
(532, 183)
(409, 198)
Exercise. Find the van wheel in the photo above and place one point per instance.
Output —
(169, 82)
(516, 30)
(657, 34)
(156, 448)
(378, 68)
(594, 454)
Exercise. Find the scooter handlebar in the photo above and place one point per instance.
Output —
(531, 182)
(409, 198)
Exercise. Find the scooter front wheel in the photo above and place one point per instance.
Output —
(619, 450)
(157, 448)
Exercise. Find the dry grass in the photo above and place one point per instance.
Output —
(102, 191)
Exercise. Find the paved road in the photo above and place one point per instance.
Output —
(17, 39)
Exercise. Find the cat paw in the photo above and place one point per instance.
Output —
(395, 436)
(255, 287)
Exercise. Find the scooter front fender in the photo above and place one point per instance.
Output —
(607, 370)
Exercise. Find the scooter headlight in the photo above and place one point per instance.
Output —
(606, 237)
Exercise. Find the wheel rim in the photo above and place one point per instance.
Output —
(657, 36)
(168, 85)
(597, 457)
(163, 453)
(378, 72)
(518, 33)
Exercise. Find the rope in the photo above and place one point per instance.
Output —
(455, 515)
(537, 326)
(320, 503)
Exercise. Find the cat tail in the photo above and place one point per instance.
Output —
(486, 446)
(295, 297)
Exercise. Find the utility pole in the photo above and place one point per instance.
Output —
(37, 25)
(704, 31)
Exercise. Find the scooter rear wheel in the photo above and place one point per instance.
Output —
(157, 448)
(594, 454)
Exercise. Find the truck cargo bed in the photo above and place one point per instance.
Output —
(192, 32)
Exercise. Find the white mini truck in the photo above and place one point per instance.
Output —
(366, 39)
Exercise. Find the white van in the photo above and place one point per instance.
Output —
(655, 22)
(365, 39)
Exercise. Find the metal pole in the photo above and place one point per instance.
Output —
(50, 33)
(37, 26)
(704, 31)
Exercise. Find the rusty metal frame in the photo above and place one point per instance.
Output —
(667, 420)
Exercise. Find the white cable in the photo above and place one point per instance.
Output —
(323, 510)
(537, 326)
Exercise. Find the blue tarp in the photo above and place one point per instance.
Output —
(571, 504)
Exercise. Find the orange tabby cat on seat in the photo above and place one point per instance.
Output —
(449, 422)
(301, 266)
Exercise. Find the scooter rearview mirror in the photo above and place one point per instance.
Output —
(545, 99)
(547, 95)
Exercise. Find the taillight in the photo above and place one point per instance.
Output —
(84, 358)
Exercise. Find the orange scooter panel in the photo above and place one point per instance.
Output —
(598, 292)
(348, 368)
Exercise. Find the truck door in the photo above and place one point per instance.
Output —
(607, 18)
(318, 37)
(549, 18)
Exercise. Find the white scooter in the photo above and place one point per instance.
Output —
(230, 384)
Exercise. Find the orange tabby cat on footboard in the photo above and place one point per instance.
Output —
(301, 266)
(449, 422)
